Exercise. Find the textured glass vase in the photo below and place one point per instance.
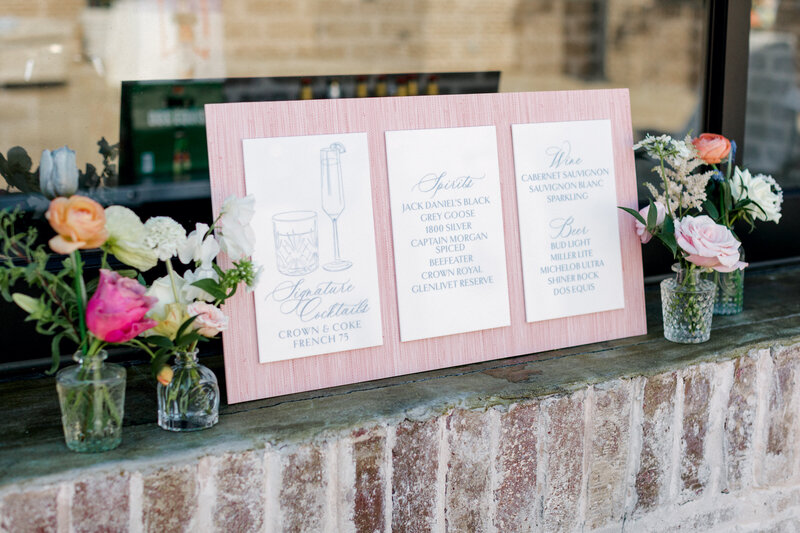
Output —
(687, 303)
(191, 400)
(730, 290)
(92, 398)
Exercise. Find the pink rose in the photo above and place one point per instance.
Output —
(115, 312)
(210, 320)
(708, 244)
(641, 230)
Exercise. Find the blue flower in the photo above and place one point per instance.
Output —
(717, 176)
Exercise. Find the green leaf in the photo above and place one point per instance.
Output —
(669, 226)
(183, 327)
(711, 209)
(211, 287)
(635, 214)
(652, 216)
(141, 280)
(28, 304)
(158, 362)
(160, 341)
(188, 339)
(669, 241)
(55, 350)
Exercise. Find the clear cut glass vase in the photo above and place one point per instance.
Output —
(191, 400)
(687, 303)
(730, 290)
(92, 399)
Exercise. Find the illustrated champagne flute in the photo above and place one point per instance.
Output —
(333, 199)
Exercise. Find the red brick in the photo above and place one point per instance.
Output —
(34, 510)
(240, 492)
(697, 394)
(415, 461)
(608, 454)
(781, 418)
(516, 495)
(368, 452)
(467, 495)
(562, 454)
(302, 497)
(170, 499)
(658, 411)
(739, 424)
(101, 504)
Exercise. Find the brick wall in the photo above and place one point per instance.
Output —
(711, 446)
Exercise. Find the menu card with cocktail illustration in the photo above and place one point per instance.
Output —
(399, 235)
(568, 218)
(319, 289)
(447, 222)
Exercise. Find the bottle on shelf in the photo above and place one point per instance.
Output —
(381, 88)
(413, 85)
(306, 92)
(334, 89)
(433, 85)
(402, 86)
(362, 89)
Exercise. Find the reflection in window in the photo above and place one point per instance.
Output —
(63, 60)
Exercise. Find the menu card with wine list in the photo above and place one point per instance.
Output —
(399, 235)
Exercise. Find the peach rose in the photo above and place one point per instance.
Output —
(210, 320)
(712, 148)
(80, 223)
(165, 375)
(708, 244)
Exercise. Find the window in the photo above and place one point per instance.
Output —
(62, 64)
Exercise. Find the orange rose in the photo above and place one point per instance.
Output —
(712, 148)
(80, 223)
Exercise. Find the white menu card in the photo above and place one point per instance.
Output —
(568, 218)
(447, 224)
(315, 240)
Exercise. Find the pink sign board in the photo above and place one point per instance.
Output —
(400, 235)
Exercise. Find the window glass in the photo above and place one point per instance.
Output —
(771, 142)
(63, 64)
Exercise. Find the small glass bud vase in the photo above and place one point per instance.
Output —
(730, 290)
(687, 302)
(92, 398)
(191, 400)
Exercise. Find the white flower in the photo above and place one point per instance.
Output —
(236, 240)
(164, 235)
(236, 237)
(190, 292)
(762, 190)
(162, 289)
(199, 248)
(58, 173)
(240, 210)
(126, 238)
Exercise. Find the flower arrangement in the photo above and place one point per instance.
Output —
(698, 244)
(187, 309)
(733, 196)
(118, 308)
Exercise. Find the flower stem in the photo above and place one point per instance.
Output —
(80, 297)
(664, 179)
